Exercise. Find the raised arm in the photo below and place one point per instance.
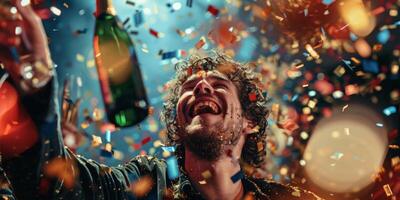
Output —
(26, 77)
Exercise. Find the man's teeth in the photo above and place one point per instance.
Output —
(204, 104)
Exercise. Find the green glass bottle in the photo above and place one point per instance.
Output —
(118, 69)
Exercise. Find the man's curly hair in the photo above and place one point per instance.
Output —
(252, 99)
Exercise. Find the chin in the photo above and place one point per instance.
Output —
(204, 146)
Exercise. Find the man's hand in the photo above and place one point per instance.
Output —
(69, 119)
(24, 50)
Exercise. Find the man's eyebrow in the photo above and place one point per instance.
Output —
(219, 77)
(190, 80)
(194, 79)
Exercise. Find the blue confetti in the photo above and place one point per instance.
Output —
(294, 98)
(108, 136)
(172, 167)
(327, 2)
(248, 46)
(168, 148)
(138, 18)
(383, 36)
(370, 66)
(389, 110)
(274, 48)
(238, 176)
(353, 37)
(312, 93)
(171, 54)
(14, 54)
(104, 153)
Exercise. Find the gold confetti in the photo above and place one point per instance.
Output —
(142, 186)
(96, 141)
(311, 51)
(63, 169)
(206, 174)
(387, 189)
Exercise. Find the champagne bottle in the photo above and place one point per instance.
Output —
(118, 69)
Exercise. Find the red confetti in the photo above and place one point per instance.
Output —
(136, 146)
(252, 96)
(189, 71)
(378, 10)
(154, 33)
(200, 43)
(107, 127)
(213, 10)
(146, 140)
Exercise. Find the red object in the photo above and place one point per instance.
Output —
(18, 133)
(339, 31)
(154, 33)
(213, 10)
(189, 71)
(146, 140)
(107, 127)
(252, 96)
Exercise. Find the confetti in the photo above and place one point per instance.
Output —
(172, 168)
(154, 33)
(130, 3)
(189, 3)
(142, 186)
(387, 189)
(312, 52)
(138, 18)
(389, 110)
(345, 107)
(168, 148)
(379, 124)
(63, 169)
(238, 176)
(252, 96)
(146, 140)
(206, 174)
(172, 54)
(213, 10)
(200, 43)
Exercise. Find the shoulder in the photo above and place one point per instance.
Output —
(276, 190)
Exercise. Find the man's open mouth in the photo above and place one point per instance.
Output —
(203, 107)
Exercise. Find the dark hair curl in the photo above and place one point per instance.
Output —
(252, 99)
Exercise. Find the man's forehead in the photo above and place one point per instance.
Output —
(213, 74)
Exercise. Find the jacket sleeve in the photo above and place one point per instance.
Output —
(6, 191)
(98, 181)
(26, 171)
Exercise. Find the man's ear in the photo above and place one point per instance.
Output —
(249, 126)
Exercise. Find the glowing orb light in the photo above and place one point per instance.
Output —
(346, 150)
(358, 17)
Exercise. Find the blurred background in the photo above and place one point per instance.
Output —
(331, 70)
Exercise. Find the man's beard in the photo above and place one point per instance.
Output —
(208, 143)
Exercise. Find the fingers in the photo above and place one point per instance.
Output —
(71, 128)
(75, 110)
(36, 33)
(10, 25)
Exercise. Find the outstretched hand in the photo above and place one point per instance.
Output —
(24, 51)
(69, 119)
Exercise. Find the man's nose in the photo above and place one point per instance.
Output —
(203, 87)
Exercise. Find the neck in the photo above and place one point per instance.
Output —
(213, 178)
